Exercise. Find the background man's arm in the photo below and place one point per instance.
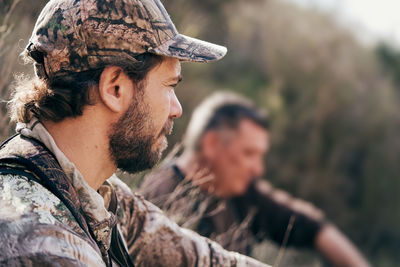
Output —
(338, 249)
(309, 229)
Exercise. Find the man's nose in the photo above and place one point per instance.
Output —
(176, 108)
(258, 167)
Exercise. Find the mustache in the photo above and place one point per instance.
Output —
(167, 129)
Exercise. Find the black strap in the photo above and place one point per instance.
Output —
(18, 172)
(178, 172)
(8, 140)
(118, 250)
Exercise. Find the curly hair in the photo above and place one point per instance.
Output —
(66, 96)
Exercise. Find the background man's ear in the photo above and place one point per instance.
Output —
(115, 89)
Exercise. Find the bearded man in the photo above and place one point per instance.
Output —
(103, 97)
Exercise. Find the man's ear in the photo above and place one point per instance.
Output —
(115, 89)
(210, 143)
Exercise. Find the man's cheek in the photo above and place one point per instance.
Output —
(235, 160)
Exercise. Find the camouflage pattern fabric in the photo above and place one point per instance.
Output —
(37, 228)
(78, 35)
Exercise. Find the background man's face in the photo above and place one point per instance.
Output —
(239, 160)
(139, 137)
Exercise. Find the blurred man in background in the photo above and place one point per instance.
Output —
(211, 186)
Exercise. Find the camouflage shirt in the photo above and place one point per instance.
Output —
(37, 228)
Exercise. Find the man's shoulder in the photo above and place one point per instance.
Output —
(25, 198)
(264, 190)
(34, 224)
(17, 145)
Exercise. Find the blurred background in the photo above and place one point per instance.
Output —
(327, 71)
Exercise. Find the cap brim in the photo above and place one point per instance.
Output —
(190, 49)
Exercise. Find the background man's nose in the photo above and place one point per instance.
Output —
(258, 167)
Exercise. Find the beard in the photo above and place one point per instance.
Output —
(133, 139)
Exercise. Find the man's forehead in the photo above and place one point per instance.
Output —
(248, 124)
(170, 69)
(247, 128)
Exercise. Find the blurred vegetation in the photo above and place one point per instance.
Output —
(334, 103)
(17, 18)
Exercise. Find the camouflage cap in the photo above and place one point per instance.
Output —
(78, 35)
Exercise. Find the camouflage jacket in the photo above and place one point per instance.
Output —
(74, 228)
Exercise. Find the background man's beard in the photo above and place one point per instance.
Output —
(131, 142)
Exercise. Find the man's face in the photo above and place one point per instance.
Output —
(139, 137)
(239, 158)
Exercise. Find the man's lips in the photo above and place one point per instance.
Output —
(167, 129)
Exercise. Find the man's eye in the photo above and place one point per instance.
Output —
(172, 86)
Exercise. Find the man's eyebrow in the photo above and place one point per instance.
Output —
(176, 79)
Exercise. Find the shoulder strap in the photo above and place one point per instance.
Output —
(30, 158)
(118, 250)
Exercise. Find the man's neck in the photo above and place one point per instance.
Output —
(85, 143)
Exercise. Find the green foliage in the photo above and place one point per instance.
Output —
(17, 18)
(390, 60)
